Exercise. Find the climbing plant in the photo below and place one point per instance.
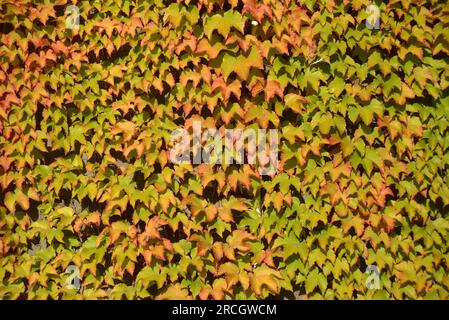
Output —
(91, 205)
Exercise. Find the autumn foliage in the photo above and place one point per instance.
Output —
(86, 178)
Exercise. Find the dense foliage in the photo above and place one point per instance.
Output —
(86, 180)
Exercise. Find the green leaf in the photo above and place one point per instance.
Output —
(223, 24)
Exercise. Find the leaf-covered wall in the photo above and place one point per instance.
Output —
(86, 181)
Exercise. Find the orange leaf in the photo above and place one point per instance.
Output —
(273, 87)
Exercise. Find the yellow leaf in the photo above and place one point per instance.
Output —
(175, 292)
(264, 276)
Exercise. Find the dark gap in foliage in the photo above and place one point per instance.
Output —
(50, 156)
(38, 116)
(92, 206)
(118, 155)
(33, 211)
(59, 10)
(65, 195)
(6, 27)
(139, 179)
(128, 213)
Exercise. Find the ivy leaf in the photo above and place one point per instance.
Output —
(231, 271)
(223, 24)
(175, 292)
(10, 201)
(262, 277)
